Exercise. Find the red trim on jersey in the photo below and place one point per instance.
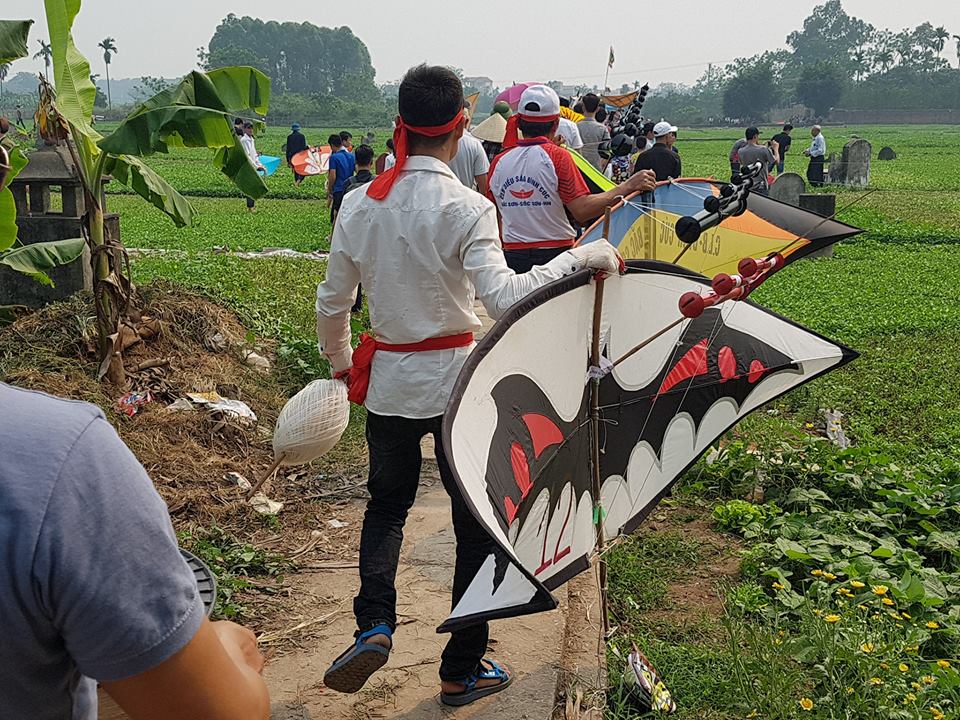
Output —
(570, 181)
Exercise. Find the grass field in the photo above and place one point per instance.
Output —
(885, 514)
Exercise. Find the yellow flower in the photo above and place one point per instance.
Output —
(903, 667)
(911, 648)
(936, 712)
(911, 697)
(933, 625)
(879, 589)
(915, 685)
(867, 647)
(777, 641)
(861, 606)
(816, 573)
(928, 679)
(884, 666)
(806, 703)
(829, 576)
(887, 601)
(857, 584)
(943, 664)
(817, 611)
(831, 618)
(849, 691)
(904, 615)
(844, 591)
(777, 586)
(876, 681)
(753, 714)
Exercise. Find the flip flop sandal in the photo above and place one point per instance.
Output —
(471, 692)
(354, 667)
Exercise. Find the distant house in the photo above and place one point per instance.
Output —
(481, 84)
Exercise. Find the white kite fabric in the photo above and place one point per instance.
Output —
(311, 422)
(519, 437)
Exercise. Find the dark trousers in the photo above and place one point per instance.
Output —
(358, 303)
(394, 444)
(780, 166)
(335, 207)
(250, 202)
(815, 171)
(521, 261)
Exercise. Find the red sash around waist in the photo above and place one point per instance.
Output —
(363, 357)
(538, 245)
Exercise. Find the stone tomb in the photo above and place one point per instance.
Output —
(887, 153)
(853, 168)
(50, 202)
(788, 188)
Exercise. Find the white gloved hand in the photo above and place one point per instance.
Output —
(598, 255)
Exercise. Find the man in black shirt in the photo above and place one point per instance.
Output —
(783, 140)
(661, 158)
(296, 142)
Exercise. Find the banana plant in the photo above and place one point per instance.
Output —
(197, 112)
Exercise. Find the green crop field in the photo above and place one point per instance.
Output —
(842, 595)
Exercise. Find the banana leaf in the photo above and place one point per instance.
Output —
(37, 258)
(140, 178)
(71, 70)
(242, 88)
(13, 39)
(8, 208)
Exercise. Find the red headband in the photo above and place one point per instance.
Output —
(382, 184)
(512, 136)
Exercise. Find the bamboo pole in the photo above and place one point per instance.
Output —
(595, 439)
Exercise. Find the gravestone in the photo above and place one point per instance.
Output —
(49, 200)
(853, 167)
(787, 188)
(887, 153)
(824, 204)
(834, 172)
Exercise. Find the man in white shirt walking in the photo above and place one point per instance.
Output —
(470, 164)
(250, 148)
(424, 246)
(817, 153)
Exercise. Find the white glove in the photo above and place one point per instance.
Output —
(598, 255)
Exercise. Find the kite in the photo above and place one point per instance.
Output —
(645, 227)
(590, 398)
(312, 161)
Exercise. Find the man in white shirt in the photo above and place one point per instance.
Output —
(423, 246)
(567, 130)
(817, 153)
(250, 148)
(470, 164)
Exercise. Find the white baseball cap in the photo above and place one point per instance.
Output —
(539, 101)
(662, 128)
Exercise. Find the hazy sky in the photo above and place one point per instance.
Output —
(566, 41)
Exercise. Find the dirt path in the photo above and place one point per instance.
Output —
(408, 686)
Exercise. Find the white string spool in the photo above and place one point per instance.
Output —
(311, 422)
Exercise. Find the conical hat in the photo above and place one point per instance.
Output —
(492, 129)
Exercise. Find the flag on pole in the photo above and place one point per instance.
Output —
(610, 61)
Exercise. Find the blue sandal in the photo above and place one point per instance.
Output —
(354, 667)
(471, 692)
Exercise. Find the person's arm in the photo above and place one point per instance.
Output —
(125, 603)
(331, 181)
(587, 207)
(775, 151)
(215, 677)
(335, 296)
(481, 166)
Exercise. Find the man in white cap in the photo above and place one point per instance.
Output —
(535, 183)
(662, 159)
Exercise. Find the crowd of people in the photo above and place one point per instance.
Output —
(773, 154)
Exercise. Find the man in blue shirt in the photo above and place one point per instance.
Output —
(92, 585)
(341, 169)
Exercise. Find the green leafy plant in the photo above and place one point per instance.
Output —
(740, 514)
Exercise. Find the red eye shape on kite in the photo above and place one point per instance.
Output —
(757, 369)
(543, 432)
(522, 194)
(691, 365)
(727, 362)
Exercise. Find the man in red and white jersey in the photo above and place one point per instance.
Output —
(534, 182)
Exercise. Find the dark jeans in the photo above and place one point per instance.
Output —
(815, 171)
(521, 261)
(335, 207)
(250, 202)
(780, 167)
(394, 444)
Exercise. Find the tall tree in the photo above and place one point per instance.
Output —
(827, 34)
(820, 87)
(940, 37)
(298, 57)
(45, 53)
(750, 92)
(109, 47)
